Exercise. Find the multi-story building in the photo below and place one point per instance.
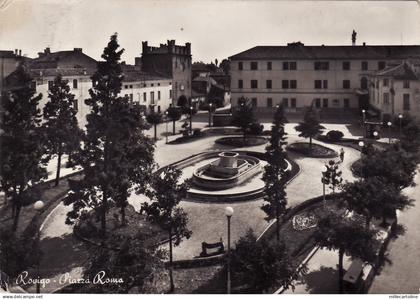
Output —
(74, 66)
(396, 90)
(169, 60)
(149, 90)
(299, 76)
(9, 61)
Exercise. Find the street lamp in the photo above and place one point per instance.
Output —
(361, 144)
(166, 118)
(229, 213)
(400, 118)
(364, 120)
(375, 134)
(191, 113)
(389, 130)
(323, 180)
(210, 111)
(38, 206)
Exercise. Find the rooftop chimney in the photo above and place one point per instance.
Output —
(47, 50)
(78, 50)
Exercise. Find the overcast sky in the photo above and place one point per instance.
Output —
(216, 29)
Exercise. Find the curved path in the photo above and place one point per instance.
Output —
(207, 221)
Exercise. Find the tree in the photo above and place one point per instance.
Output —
(154, 118)
(128, 258)
(165, 194)
(332, 176)
(393, 166)
(116, 155)
(275, 175)
(373, 198)
(174, 114)
(347, 236)
(243, 116)
(410, 139)
(225, 66)
(261, 265)
(60, 126)
(21, 153)
(310, 126)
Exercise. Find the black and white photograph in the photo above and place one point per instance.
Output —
(227, 147)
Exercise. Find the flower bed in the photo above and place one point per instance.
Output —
(317, 151)
(239, 141)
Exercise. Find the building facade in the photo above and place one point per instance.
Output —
(169, 60)
(298, 76)
(396, 90)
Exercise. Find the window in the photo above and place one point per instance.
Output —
(386, 98)
(158, 95)
(152, 97)
(131, 98)
(318, 103)
(285, 102)
(269, 65)
(152, 84)
(254, 65)
(381, 65)
(406, 84)
(325, 84)
(268, 84)
(158, 84)
(144, 97)
(240, 65)
(289, 65)
(50, 84)
(386, 82)
(363, 83)
(285, 84)
(321, 65)
(365, 66)
(76, 105)
(293, 102)
(346, 84)
(346, 65)
(293, 84)
(254, 83)
(325, 103)
(318, 84)
(269, 102)
(74, 83)
(406, 101)
(170, 93)
(254, 102)
(346, 103)
(240, 84)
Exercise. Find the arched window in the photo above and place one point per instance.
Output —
(364, 83)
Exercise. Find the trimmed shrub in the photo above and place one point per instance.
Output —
(334, 135)
(256, 129)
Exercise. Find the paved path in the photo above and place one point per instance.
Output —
(403, 275)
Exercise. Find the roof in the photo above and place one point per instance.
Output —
(66, 72)
(7, 54)
(300, 51)
(402, 71)
(72, 58)
(134, 74)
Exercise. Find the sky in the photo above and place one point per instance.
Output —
(216, 29)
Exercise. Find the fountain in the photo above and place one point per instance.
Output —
(229, 170)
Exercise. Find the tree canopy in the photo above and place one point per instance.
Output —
(310, 127)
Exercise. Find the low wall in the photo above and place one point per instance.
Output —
(222, 120)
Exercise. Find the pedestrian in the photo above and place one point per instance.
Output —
(342, 155)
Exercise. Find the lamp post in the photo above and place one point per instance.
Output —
(363, 122)
(361, 144)
(323, 180)
(191, 113)
(38, 206)
(229, 213)
(400, 121)
(210, 111)
(166, 119)
(375, 134)
(389, 131)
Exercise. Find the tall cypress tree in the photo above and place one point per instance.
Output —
(60, 126)
(21, 160)
(275, 175)
(116, 156)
